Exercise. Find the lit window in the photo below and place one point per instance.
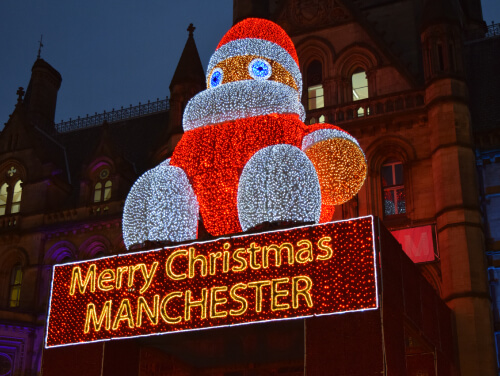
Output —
(107, 190)
(393, 188)
(97, 192)
(16, 278)
(316, 98)
(315, 93)
(3, 198)
(16, 197)
(322, 119)
(359, 85)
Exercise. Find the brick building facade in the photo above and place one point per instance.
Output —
(413, 81)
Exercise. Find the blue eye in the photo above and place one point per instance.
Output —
(216, 77)
(259, 69)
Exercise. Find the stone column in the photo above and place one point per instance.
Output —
(460, 234)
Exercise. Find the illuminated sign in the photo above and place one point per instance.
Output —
(299, 272)
(417, 242)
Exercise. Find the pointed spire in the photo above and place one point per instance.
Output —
(20, 94)
(40, 47)
(189, 69)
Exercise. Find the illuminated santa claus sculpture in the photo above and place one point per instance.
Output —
(246, 156)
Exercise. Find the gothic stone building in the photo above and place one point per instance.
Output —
(414, 81)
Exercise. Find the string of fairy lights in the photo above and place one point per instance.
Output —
(238, 100)
(279, 183)
(161, 205)
(258, 47)
(239, 162)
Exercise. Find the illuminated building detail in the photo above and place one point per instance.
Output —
(240, 156)
(160, 206)
(300, 272)
(279, 183)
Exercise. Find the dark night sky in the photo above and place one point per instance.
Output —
(110, 53)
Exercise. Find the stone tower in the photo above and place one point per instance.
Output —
(458, 217)
(41, 95)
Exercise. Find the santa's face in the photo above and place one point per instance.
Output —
(246, 78)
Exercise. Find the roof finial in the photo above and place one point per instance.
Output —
(20, 93)
(40, 47)
(191, 28)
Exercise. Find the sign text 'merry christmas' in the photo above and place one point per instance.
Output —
(311, 270)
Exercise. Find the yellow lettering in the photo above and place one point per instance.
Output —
(236, 257)
(275, 294)
(119, 273)
(170, 260)
(148, 277)
(142, 306)
(225, 263)
(305, 291)
(202, 303)
(107, 275)
(214, 302)
(92, 316)
(163, 308)
(193, 260)
(253, 250)
(243, 302)
(325, 248)
(76, 278)
(131, 271)
(277, 254)
(258, 293)
(124, 314)
(305, 254)
(213, 259)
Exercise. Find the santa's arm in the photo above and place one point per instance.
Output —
(339, 162)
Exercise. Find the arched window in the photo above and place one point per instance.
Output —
(103, 184)
(101, 194)
(393, 190)
(5, 364)
(107, 190)
(315, 93)
(3, 198)
(16, 279)
(16, 197)
(359, 85)
(97, 192)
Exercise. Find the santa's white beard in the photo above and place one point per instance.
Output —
(241, 99)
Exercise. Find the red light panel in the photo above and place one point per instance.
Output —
(300, 272)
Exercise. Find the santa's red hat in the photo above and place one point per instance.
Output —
(259, 37)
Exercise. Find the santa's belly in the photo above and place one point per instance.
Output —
(214, 156)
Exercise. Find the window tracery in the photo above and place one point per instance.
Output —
(11, 188)
(103, 184)
(359, 83)
(3, 198)
(315, 91)
(393, 189)
(16, 279)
